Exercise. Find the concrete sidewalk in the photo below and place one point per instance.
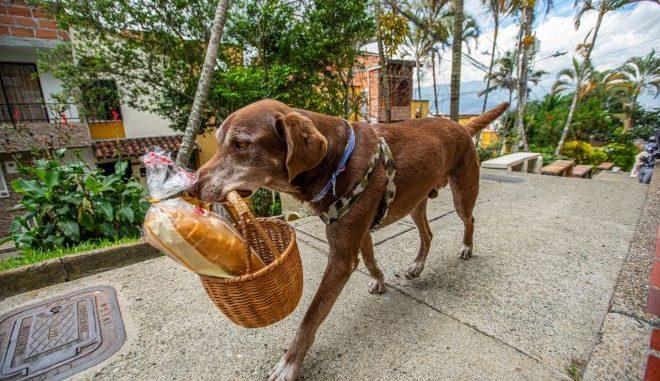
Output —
(532, 300)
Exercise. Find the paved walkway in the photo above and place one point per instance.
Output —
(531, 301)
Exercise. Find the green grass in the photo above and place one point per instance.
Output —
(30, 256)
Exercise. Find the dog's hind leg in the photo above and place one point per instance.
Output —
(377, 285)
(419, 216)
(464, 190)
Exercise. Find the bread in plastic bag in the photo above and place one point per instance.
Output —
(196, 238)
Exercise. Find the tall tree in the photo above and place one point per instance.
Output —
(525, 49)
(580, 80)
(456, 50)
(435, 85)
(496, 8)
(637, 75)
(602, 7)
(202, 92)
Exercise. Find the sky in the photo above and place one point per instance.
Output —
(631, 31)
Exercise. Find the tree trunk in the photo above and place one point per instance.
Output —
(419, 79)
(456, 46)
(578, 81)
(526, 43)
(435, 86)
(202, 92)
(505, 123)
(384, 86)
(496, 19)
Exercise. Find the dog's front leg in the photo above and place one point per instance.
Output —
(341, 264)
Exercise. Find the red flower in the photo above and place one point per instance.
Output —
(64, 120)
(115, 115)
(17, 113)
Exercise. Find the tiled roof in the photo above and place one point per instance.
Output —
(106, 149)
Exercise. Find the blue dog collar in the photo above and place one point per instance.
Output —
(332, 183)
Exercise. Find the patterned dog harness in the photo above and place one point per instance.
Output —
(342, 205)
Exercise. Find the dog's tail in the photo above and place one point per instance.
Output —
(481, 121)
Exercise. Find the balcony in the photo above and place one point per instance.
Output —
(399, 113)
(46, 112)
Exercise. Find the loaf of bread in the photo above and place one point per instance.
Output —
(198, 239)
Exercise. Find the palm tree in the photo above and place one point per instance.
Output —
(456, 50)
(383, 63)
(579, 79)
(503, 77)
(496, 8)
(202, 91)
(419, 42)
(637, 75)
(602, 7)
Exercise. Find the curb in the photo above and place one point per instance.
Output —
(71, 267)
(652, 371)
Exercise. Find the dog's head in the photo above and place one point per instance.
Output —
(265, 144)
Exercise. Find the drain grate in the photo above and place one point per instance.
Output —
(62, 336)
(502, 179)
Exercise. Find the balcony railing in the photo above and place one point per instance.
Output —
(46, 112)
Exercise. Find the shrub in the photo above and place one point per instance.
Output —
(622, 155)
(486, 153)
(578, 150)
(68, 203)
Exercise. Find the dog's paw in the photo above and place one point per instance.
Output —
(377, 286)
(284, 371)
(465, 252)
(415, 270)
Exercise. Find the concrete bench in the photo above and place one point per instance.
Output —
(516, 162)
(605, 166)
(582, 171)
(558, 168)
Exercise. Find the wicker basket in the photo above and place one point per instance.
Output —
(269, 295)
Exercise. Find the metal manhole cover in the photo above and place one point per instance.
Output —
(502, 179)
(62, 336)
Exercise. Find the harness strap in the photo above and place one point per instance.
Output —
(341, 206)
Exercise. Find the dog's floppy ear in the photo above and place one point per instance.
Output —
(306, 146)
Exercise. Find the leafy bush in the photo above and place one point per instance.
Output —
(263, 204)
(622, 155)
(578, 150)
(68, 203)
(547, 152)
(486, 153)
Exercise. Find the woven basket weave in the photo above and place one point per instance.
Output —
(269, 295)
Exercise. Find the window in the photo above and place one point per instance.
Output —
(4, 191)
(21, 98)
(101, 101)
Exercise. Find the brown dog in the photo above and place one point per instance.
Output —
(268, 144)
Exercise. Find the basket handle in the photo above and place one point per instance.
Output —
(245, 217)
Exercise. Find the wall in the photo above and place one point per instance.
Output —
(20, 20)
(141, 124)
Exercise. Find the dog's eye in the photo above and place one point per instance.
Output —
(240, 144)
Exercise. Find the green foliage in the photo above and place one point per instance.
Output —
(487, 153)
(545, 119)
(68, 203)
(271, 49)
(263, 204)
(622, 155)
(584, 153)
(30, 255)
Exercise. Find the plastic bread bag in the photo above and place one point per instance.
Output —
(194, 237)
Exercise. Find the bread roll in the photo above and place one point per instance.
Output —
(198, 239)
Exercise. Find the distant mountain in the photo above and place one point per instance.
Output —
(470, 102)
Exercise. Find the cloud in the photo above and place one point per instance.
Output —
(631, 31)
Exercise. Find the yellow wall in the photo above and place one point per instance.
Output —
(107, 130)
(208, 144)
(487, 138)
(423, 105)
